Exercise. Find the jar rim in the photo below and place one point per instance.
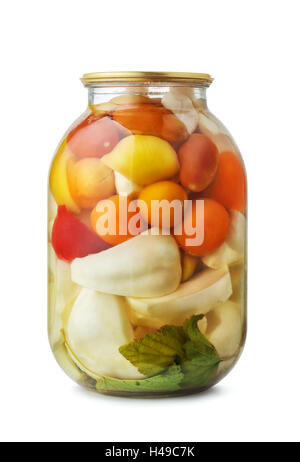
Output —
(189, 78)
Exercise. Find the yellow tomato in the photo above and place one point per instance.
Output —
(161, 204)
(59, 186)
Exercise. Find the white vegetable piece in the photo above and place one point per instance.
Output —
(202, 324)
(97, 326)
(62, 293)
(143, 266)
(182, 106)
(232, 249)
(187, 91)
(215, 130)
(207, 125)
(124, 186)
(224, 329)
(198, 295)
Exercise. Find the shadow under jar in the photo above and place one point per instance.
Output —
(147, 239)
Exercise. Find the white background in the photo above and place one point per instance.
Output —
(252, 50)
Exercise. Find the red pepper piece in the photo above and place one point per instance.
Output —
(73, 239)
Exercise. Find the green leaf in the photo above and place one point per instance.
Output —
(201, 358)
(168, 380)
(183, 347)
(198, 371)
(190, 328)
(155, 351)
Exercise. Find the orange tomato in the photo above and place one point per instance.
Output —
(93, 137)
(151, 119)
(214, 223)
(229, 185)
(198, 157)
(117, 219)
(158, 213)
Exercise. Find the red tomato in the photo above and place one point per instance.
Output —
(93, 137)
(198, 157)
(229, 185)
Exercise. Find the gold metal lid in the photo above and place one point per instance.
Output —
(155, 77)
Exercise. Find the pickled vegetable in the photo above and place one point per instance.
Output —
(144, 266)
(161, 204)
(72, 239)
(90, 181)
(143, 159)
(97, 327)
(225, 328)
(198, 295)
(58, 180)
(149, 119)
(93, 137)
(183, 108)
(229, 186)
(198, 158)
(215, 223)
(125, 187)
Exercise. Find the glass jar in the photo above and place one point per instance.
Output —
(147, 239)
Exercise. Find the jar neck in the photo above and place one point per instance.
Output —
(98, 94)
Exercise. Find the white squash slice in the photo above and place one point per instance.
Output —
(144, 266)
(97, 326)
(224, 328)
(124, 186)
(198, 295)
(181, 105)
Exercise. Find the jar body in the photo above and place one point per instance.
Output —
(147, 244)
